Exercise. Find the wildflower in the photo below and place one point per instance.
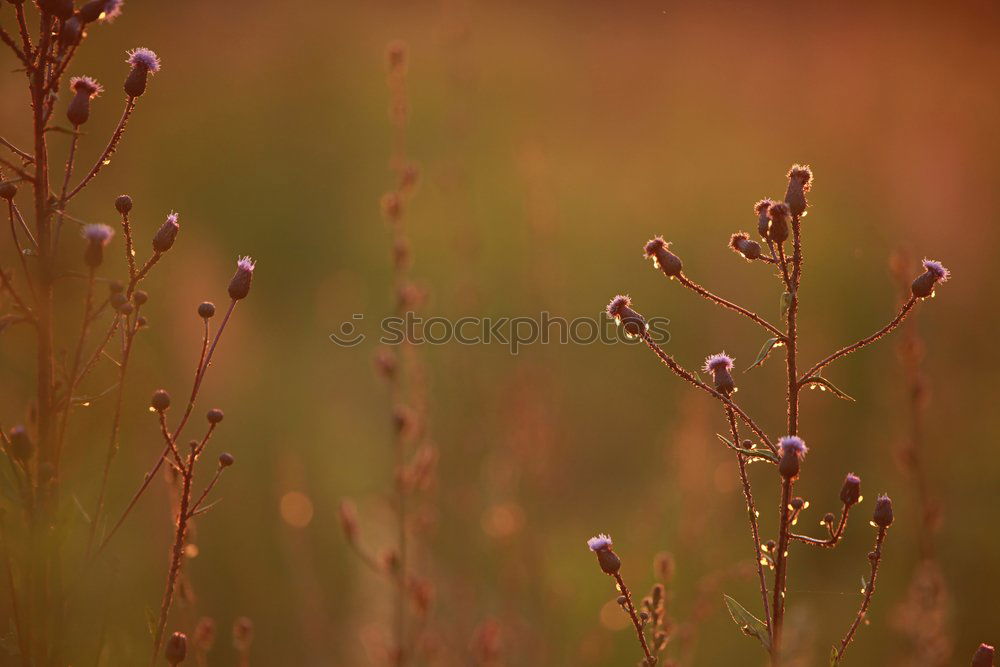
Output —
(620, 308)
(882, 516)
(97, 237)
(666, 261)
(779, 215)
(144, 62)
(160, 401)
(741, 243)
(206, 309)
(720, 365)
(850, 493)
(215, 415)
(86, 89)
(791, 450)
(934, 273)
(983, 656)
(226, 459)
(239, 286)
(763, 222)
(176, 649)
(123, 204)
(606, 558)
(799, 183)
(21, 447)
(165, 236)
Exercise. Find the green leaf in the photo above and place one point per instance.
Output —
(786, 301)
(748, 624)
(833, 657)
(823, 382)
(754, 454)
(765, 350)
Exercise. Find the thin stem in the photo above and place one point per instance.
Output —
(9, 41)
(874, 557)
(835, 534)
(27, 157)
(630, 608)
(74, 378)
(896, 321)
(752, 516)
(208, 489)
(22, 640)
(695, 287)
(67, 174)
(109, 150)
(780, 570)
(16, 212)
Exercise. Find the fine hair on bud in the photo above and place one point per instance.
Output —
(791, 450)
(934, 273)
(721, 366)
(882, 516)
(741, 243)
(143, 62)
(850, 492)
(763, 221)
(799, 182)
(620, 309)
(84, 89)
(779, 216)
(165, 236)
(606, 558)
(658, 250)
(123, 204)
(239, 286)
(97, 236)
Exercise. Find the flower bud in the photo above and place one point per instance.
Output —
(934, 273)
(226, 459)
(7, 190)
(206, 309)
(779, 216)
(123, 204)
(165, 236)
(71, 32)
(239, 286)
(720, 366)
(666, 261)
(797, 503)
(21, 447)
(850, 493)
(983, 656)
(140, 297)
(141, 321)
(741, 243)
(97, 237)
(606, 558)
(126, 308)
(882, 516)
(763, 222)
(85, 89)
(799, 183)
(215, 415)
(828, 518)
(104, 10)
(117, 300)
(176, 649)
(160, 400)
(791, 450)
(620, 309)
(144, 62)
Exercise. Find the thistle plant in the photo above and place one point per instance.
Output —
(780, 228)
(80, 292)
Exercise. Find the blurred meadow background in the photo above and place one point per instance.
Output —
(553, 140)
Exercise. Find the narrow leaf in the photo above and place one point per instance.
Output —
(833, 657)
(748, 624)
(765, 350)
(823, 382)
(761, 454)
(786, 301)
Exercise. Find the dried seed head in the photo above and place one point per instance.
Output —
(799, 183)
(720, 366)
(160, 400)
(850, 493)
(741, 243)
(144, 62)
(882, 516)
(7, 190)
(226, 459)
(86, 89)
(215, 415)
(620, 309)
(348, 515)
(204, 634)
(123, 204)
(97, 237)
(983, 656)
(239, 286)
(779, 216)
(606, 558)
(206, 309)
(140, 297)
(791, 450)
(934, 273)
(763, 222)
(21, 447)
(165, 236)
(176, 649)
(658, 250)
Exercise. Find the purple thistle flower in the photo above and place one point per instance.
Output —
(793, 444)
(850, 492)
(718, 362)
(239, 286)
(145, 58)
(791, 449)
(112, 10)
(165, 236)
(601, 541)
(620, 309)
(86, 85)
(937, 269)
(934, 273)
(882, 516)
(618, 305)
(98, 233)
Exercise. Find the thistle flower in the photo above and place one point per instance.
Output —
(741, 243)
(850, 493)
(85, 89)
(934, 273)
(620, 309)
(799, 182)
(101, 10)
(144, 62)
(779, 215)
(666, 261)
(791, 450)
(239, 286)
(882, 516)
(983, 656)
(176, 649)
(97, 237)
(763, 222)
(720, 365)
(606, 558)
(165, 236)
